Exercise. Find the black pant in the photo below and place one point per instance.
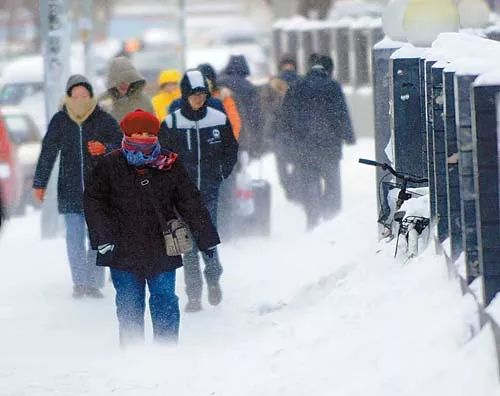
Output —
(321, 190)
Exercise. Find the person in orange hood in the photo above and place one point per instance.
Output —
(168, 81)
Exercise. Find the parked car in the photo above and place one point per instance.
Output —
(25, 137)
(10, 174)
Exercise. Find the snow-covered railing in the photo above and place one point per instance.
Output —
(348, 41)
(438, 115)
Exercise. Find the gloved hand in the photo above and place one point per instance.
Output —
(107, 247)
(96, 148)
(210, 253)
(39, 194)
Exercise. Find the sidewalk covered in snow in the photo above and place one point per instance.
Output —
(304, 314)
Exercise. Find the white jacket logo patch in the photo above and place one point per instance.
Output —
(216, 134)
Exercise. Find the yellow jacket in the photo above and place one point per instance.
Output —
(161, 101)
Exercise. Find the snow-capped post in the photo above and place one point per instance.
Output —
(429, 128)
(86, 35)
(365, 33)
(463, 119)
(439, 145)
(485, 138)
(342, 51)
(381, 55)
(55, 34)
(452, 178)
(407, 125)
(277, 42)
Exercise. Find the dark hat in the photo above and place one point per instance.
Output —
(288, 59)
(237, 65)
(208, 72)
(140, 121)
(193, 82)
(77, 79)
(325, 61)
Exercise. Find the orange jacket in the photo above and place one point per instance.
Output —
(231, 109)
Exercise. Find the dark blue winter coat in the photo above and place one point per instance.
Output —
(211, 102)
(67, 138)
(247, 99)
(205, 142)
(315, 118)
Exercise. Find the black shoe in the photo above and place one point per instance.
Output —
(193, 306)
(78, 291)
(94, 292)
(214, 294)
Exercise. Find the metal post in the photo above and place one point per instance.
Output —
(439, 144)
(486, 170)
(452, 178)
(182, 32)
(429, 136)
(381, 102)
(342, 53)
(463, 83)
(55, 33)
(408, 132)
(87, 36)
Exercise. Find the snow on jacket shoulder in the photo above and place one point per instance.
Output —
(207, 147)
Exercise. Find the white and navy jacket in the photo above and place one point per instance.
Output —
(205, 142)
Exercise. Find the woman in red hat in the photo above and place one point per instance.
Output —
(132, 194)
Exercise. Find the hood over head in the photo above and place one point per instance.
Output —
(237, 65)
(121, 70)
(76, 80)
(169, 76)
(193, 82)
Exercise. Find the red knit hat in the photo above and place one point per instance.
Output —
(140, 121)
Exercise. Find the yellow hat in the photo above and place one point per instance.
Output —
(169, 76)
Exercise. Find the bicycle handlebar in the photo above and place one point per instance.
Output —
(399, 175)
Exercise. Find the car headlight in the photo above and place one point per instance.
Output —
(4, 171)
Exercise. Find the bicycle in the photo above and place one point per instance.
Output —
(411, 227)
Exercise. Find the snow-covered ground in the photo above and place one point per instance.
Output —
(304, 314)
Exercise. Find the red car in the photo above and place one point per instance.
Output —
(11, 180)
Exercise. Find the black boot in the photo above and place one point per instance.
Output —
(193, 305)
(78, 291)
(214, 294)
(94, 292)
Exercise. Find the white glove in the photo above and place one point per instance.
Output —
(107, 247)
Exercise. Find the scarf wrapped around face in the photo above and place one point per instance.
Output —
(147, 152)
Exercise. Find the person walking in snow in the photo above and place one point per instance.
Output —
(81, 132)
(168, 82)
(315, 114)
(132, 193)
(275, 132)
(246, 95)
(204, 140)
(125, 90)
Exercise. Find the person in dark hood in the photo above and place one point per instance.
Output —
(274, 133)
(246, 95)
(125, 90)
(204, 140)
(315, 113)
(81, 132)
(132, 194)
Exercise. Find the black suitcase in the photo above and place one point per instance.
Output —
(259, 222)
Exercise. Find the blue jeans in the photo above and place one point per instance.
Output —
(82, 259)
(130, 306)
(191, 261)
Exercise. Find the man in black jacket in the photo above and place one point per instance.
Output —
(316, 116)
(204, 140)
